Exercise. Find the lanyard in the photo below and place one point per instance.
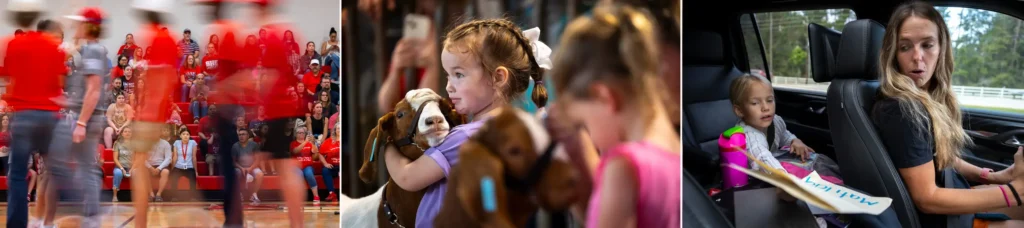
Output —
(183, 152)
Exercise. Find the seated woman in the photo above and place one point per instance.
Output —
(919, 121)
(199, 106)
(123, 159)
(330, 151)
(119, 115)
(317, 123)
(303, 150)
(184, 160)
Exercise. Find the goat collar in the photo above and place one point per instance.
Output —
(407, 140)
(534, 175)
(388, 212)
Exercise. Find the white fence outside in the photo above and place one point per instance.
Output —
(968, 95)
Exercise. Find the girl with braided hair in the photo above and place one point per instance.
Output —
(489, 64)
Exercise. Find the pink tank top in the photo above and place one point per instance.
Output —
(658, 185)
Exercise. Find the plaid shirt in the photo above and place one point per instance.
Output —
(296, 61)
(187, 48)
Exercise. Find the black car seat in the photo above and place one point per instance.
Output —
(707, 112)
(698, 209)
(862, 158)
(824, 44)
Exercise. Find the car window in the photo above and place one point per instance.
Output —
(988, 51)
(784, 39)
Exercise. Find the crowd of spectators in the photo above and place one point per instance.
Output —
(190, 136)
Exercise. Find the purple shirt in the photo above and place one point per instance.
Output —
(446, 155)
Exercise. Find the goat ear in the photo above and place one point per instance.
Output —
(374, 148)
(480, 163)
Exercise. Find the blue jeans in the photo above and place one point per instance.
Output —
(118, 176)
(184, 92)
(86, 177)
(198, 109)
(308, 174)
(31, 130)
(329, 175)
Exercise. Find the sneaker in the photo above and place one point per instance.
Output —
(331, 197)
(151, 198)
(255, 199)
(159, 199)
(316, 201)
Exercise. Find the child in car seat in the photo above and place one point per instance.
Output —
(768, 140)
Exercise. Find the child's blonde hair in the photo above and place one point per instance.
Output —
(616, 46)
(500, 43)
(740, 87)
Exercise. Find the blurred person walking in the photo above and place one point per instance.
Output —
(230, 81)
(34, 66)
(76, 142)
(152, 112)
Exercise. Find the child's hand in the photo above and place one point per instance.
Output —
(799, 148)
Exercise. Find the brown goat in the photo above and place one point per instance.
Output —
(507, 149)
(426, 130)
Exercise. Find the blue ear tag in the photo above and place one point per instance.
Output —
(487, 194)
(374, 151)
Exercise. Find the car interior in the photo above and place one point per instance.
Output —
(723, 40)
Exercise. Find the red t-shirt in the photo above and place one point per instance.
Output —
(127, 48)
(312, 80)
(209, 64)
(160, 75)
(35, 67)
(189, 73)
(117, 72)
(206, 126)
(306, 155)
(330, 149)
(276, 59)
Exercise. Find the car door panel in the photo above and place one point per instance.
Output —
(805, 116)
(996, 137)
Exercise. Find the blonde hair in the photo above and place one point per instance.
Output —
(935, 106)
(500, 43)
(740, 87)
(617, 46)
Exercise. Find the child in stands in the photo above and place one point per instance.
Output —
(767, 138)
(608, 85)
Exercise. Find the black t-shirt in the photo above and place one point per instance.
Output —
(908, 147)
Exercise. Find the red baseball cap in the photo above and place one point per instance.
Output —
(89, 15)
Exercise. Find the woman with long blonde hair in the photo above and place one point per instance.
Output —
(919, 121)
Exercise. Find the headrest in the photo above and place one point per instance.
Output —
(859, 49)
(824, 43)
(703, 47)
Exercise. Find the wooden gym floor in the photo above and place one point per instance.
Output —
(193, 214)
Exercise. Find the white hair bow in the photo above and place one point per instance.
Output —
(541, 51)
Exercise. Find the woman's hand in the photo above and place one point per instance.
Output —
(1016, 176)
(407, 53)
(799, 148)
